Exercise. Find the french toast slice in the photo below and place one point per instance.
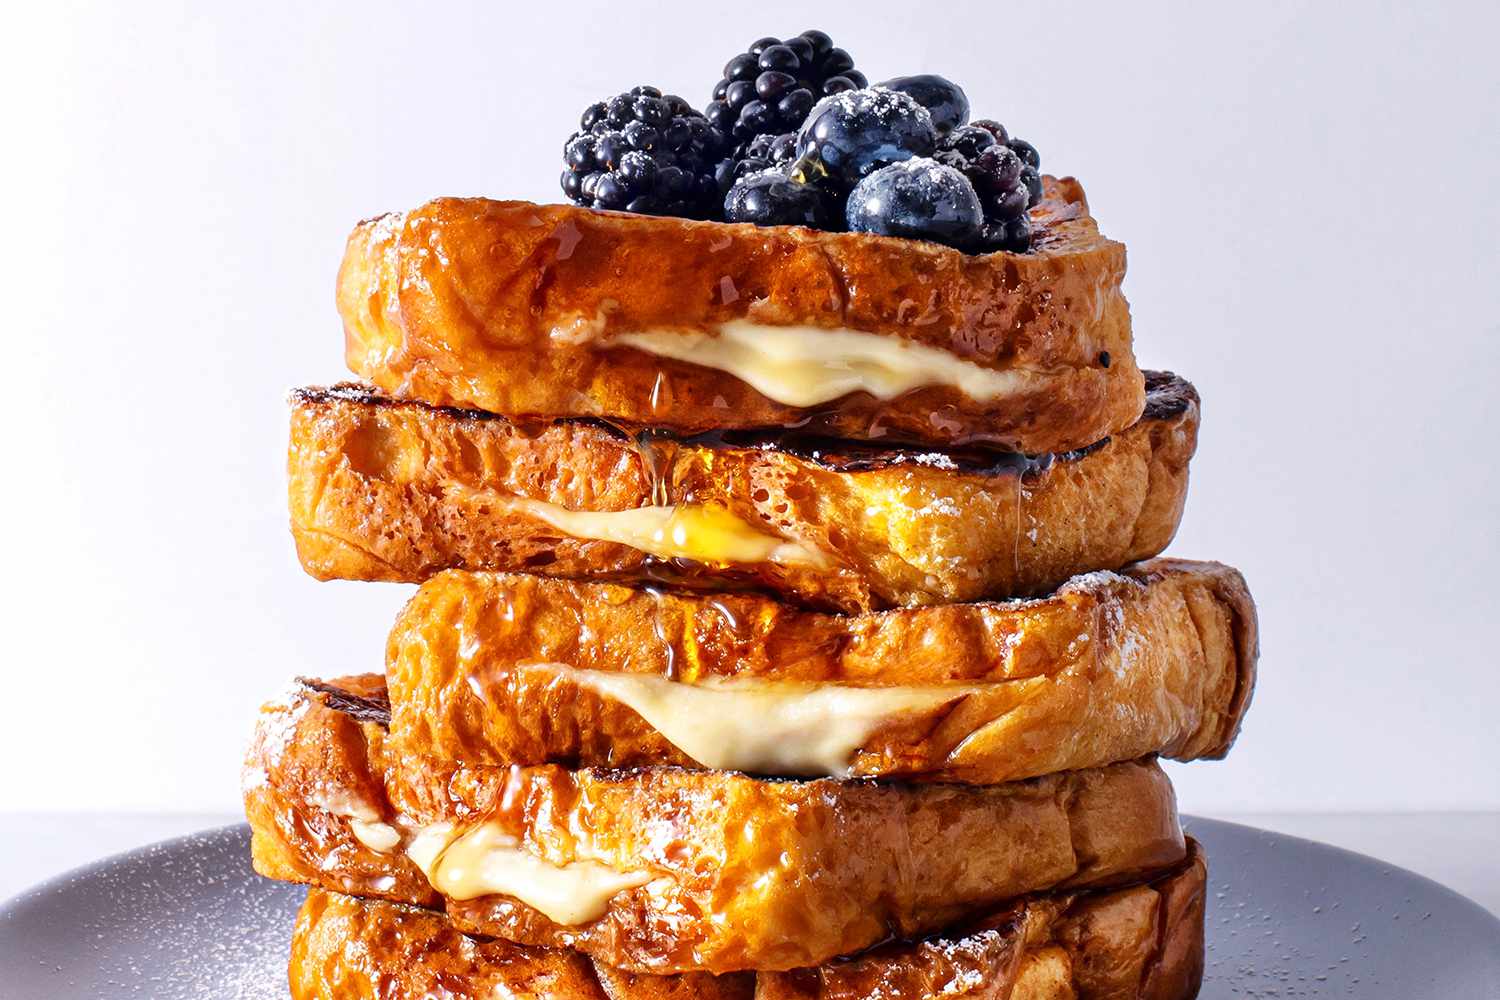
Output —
(1141, 942)
(667, 870)
(555, 310)
(382, 489)
(496, 669)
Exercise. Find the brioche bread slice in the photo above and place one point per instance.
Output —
(668, 870)
(555, 310)
(495, 669)
(1142, 942)
(381, 489)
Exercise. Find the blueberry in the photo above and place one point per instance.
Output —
(853, 133)
(917, 198)
(943, 99)
(771, 198)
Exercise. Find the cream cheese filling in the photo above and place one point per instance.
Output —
(805, 365)
(763, 727)
(382, 838)
(700, 532)
(363, 819)
(485, 860)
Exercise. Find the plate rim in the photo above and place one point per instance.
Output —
(10, 906)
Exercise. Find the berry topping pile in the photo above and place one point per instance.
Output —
(794, 135)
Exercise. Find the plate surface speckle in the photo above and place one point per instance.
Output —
(187, 920)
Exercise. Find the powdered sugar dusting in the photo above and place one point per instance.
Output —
(273, 734)
(884, 104)
(181, 920)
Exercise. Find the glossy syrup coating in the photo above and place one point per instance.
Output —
(1142, 942)
(510, 307)
(1111, 667)
(381, 489)
(744, 873)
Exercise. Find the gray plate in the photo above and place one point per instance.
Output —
(187, 920)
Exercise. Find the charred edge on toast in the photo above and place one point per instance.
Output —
(1167, 396)
(374, 708)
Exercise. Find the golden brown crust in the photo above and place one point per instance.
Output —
(1157, 659)
(509, 307)
(387, 490)
(744, 873)
(1143, 942)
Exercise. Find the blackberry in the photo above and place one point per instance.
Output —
(918, 198)
(851, 134)
(1031, 175)
(1005, 173)
(771, 198)
(761, 153)
(647, 152)
(770, 88)
(775, 148)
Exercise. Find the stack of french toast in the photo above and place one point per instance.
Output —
(789, 622)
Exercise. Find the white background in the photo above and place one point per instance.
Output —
(1308, 196)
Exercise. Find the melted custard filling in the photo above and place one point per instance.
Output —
(485, 860)
(700, 532)
(787, 728)
(806, 366)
